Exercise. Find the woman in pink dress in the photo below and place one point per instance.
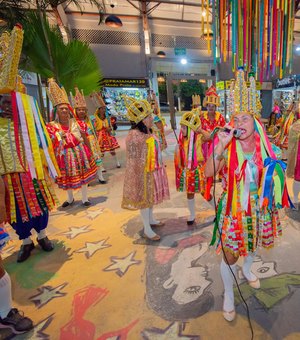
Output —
(145, 182)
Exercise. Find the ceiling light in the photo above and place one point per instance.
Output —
(183, 61)
(160, 79)
(204, 14)
(161, 54)
(298, 48)
(113, 21)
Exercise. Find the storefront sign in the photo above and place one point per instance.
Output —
(179, 51)
(285, 82)
(120, 82)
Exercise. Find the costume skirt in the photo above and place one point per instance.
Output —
(75, 167)
(246, 231)
(32, 197)
(107, 142)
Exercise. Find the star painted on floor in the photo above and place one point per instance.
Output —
(75, 231)
(173, 331)
(92, 214)
(121, 264)
(92, 247)
(7, 251)
(46, 294)
(38, 330)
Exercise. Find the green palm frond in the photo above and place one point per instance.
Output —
(45, 53)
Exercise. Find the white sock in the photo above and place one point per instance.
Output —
(248, 260)
(191, 206)
(152, 220)
(84, 193)
(227, 279)
(117, 161)
(296, 190)
(5, 296)
(70, 195)
(100, 175)
(145, 218)
(26, 241)
(42, 234)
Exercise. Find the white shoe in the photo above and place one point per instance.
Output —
(229, 316)
(254, 283)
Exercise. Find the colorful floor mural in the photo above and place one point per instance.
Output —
(104, 281)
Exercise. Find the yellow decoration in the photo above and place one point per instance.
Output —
(196, 100)
(10, 51)
(78, 100)
(191, 120)
(243, 99)
(20, 87)
(56, 94)
(137, 110)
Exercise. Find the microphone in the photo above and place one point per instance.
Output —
(236, 132)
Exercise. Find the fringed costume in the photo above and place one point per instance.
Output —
(254, 186)
(26, 156)
(189, 158)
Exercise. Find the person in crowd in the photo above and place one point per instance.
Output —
(210, 120)
(104, 130)
(75, 160)
(247, 213)
(159, 122)
(26, 155)
(87, 130)
(281, 137)
(293, 164)
(145, 180)
(274, 119)
(188, 160)
(9, 317)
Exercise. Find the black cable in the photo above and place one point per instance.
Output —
(222, 246)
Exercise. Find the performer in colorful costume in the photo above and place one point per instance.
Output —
(159, 122)
(281, 138)
(254, 189)
(75, 160)
(145, 180)
(25, 151)
(102, 124)
(274, 120)
(188, 160)
(87, 130)
(293, 164)
(210, 120)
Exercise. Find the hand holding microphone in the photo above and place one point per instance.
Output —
(227, 129)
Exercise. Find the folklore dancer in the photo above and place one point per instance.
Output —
(75, 160)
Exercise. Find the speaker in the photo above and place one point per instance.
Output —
(213, 73)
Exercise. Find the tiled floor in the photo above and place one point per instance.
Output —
(103, 281)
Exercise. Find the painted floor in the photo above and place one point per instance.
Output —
(103, 281)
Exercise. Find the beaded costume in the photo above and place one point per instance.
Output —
(254, 184)
(188, 156)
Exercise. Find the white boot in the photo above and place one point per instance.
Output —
(227, 278)
(251, 278)
(153, 221)
(148, 232)
(84, 193)
(191, 206)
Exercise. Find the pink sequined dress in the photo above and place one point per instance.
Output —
(145, 181)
